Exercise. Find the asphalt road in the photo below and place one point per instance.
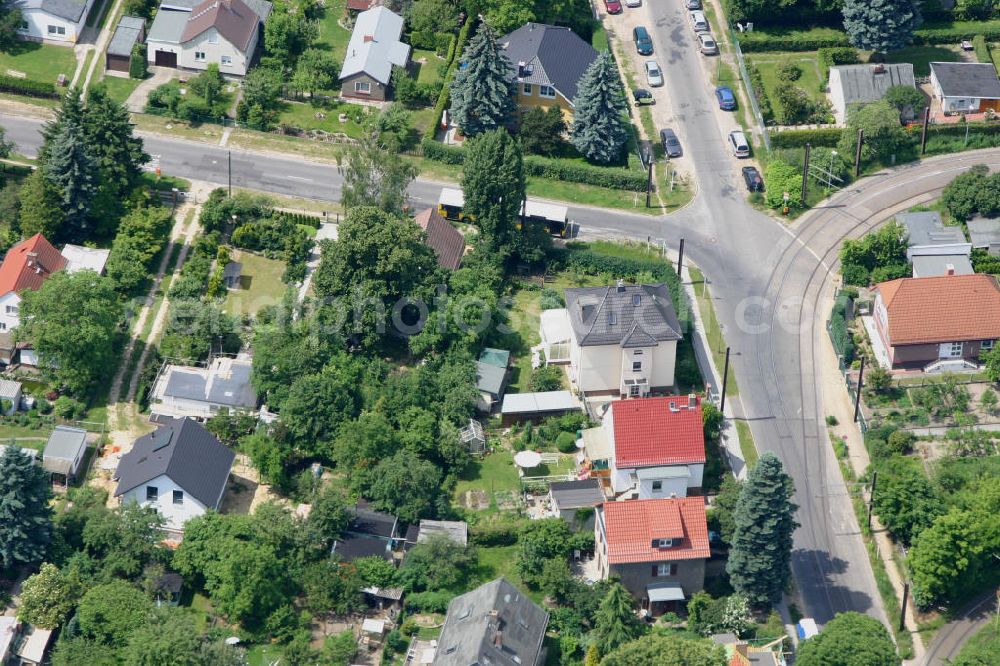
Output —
(949, 640)
(767, 278)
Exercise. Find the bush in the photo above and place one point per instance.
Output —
(428, 602)
(495, 534)
(759, 91)
(551, 299)
(566, 442)
(827, 137)
(843, 344)
(788, 70)
(546, 378)
(761, 40)
(982, 49)
(837, 55)
(780, 177)
(137, 62)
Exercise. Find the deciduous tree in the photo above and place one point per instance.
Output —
(493, 182)
(599, 130)
(482, 92)
(25, 515)
(374, 177)
(110, 613)
(48, 597)
(759, 561)
(849, 639)
(883, 135)
(667, 650)
(406, 485)
(435, 564)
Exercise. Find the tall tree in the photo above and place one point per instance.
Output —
(71, 168)
(25, 515)
(615, 622)
(883, 135)
(109, 613)
(599, 130)
(73, 323)
(494, 185)
(759, 561)
(40, 211)
(482, 92)
(849, 639)
(317, 69)
(48, 597)
(407, 485)
(373, 176)
(881, 25)
(118, 153)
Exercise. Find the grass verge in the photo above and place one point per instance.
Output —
(713, 330)
(747, 445)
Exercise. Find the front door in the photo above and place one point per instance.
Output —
(950, 350)
(165, 59)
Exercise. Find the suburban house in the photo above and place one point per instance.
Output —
(985, 235)
(857, 85)
(180, 469)
(965, 87)
(933, 248)
(492, 373)
(569, 497)
(80, 258)
(493, 624)
(53, 20)
(742, 653)
(190, 37)
(547, 63)
(369, 533)
(31, 646)
(26, 266)
(447, 242)
(372, 52)
(920, 321)
(131, 30)
(622, 340)
(64, 453)
(656, 446)
(201, 393)
(657, 547)
(456, 530)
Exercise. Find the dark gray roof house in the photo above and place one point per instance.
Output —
(548, 55)
(262, 8)
(494, 624)
(181, 390)
(966, 79)
(638, 315)
(71, 10)
(129, 32)
(861, 84)
(183, 451)
(369, 533)
(985, 234)
(927, 234)
(576, 494)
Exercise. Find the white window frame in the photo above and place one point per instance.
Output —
(178, 497)
(526, 89)
(226, 61)
(633, 391)
(665, 543)
(544, 91)
(363, 87)
(57, 30)
(3, 326)
(950, 350)
(213, 37)
(664, 570)
(199, 56)
(152, 494)
(636, 366)
(986, 345)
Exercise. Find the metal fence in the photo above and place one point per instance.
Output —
(745, 75)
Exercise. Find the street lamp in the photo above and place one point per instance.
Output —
(829, 172)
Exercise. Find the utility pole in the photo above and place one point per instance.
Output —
(857, 398)
(229, 160)
(857, 153)
(871, 498)
(805, 175)
(680, 258)
(923, 132)
(725, 383)
(902, 608)
(649, 181)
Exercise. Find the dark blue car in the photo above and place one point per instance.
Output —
(643, 42)
(727, 100)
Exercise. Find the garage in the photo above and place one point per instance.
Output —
(130, 31)
(165, 59)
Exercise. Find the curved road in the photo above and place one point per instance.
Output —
(771, 283)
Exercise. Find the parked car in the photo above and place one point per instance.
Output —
(699, 22)
(671, 144)
(643, 42)
(738, 142)
(726, 98)
(753, 180)
(613, 6)
(633, 3)
(654, 76)
(693, 4)
(643, 96)
(706, 44)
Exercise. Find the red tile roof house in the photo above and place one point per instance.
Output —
(25, 267)
(657, 446)
(924, 320)
(656, 547)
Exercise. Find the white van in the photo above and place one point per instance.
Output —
(699, 22)
(738, 142)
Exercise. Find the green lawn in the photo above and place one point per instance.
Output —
(118, 88)
(263, 655)
(40, 62)
(810, 81)
(304, 115)
(500, 561)
(331, 34)
(493, 473)
(983, 643)
(747, 445)
(713, 330)
(427, 72)
(923, 56)
(261, 284)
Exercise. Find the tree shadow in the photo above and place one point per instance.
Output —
(818, 577)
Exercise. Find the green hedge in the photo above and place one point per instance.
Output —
(798, 138)
(956, 31)
(495, 534)
(839, 333)
(455, 52)
(28, 87)
(313, 221)
(982, 49)
(792, 40)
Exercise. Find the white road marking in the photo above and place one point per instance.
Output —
(302, 178)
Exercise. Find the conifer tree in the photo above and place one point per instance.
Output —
(40, 212)
(599, 130)
(71, 170)
(615, 622)
(25, 515)
(760, 558)
(881, 25)
(482, 93)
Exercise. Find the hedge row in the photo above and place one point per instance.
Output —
(809, 40)
(828, 136)
(756, 42)
(982, 49)
(951, 34)
(11, 84)
(554, 169)
(839, 332)
(495, 534)
(313, 221)
(455, 52)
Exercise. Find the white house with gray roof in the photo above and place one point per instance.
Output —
(53, 20)
(965, 87)
(180, 469)
(203, 392)
(623, 339)
(857, 85)
(374, 49)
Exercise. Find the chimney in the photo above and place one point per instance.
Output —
(620, 286)
(692, 401)
(498, 639)
(673, 406)
(369, 38)
(949, 269)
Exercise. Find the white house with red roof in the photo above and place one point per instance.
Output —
(657, 446)
(25, 267)
(657, 547)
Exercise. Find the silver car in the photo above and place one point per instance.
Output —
(654, 75)
(706, 44)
